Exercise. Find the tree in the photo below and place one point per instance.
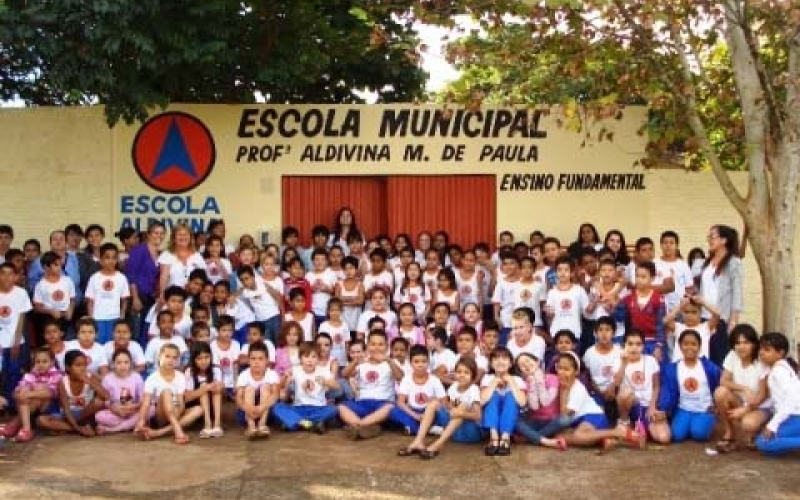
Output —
(729, 70)
(131, 55)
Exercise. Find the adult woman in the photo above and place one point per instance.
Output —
(587, 237)
(142, 273)
(345, 223)
(179, 260)
(94, 235)
(722, 285)
(615, 242)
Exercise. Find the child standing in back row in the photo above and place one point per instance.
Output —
(107, 294)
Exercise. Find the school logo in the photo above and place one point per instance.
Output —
(690, 384)
(213, 271)
(108, 285)
(413, 298)
(421, 398)
(637, 378)
(309, 386)
(5, 311)
(224, 363)
(526, 295)
(566, 304)
(466, 289)
(607, 371)
(371, 376)
(337, 339)
(173, 152)
(57, 296)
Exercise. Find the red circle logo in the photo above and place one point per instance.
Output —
(309, 386)
(637, 378)
(526, 295)
(466, 290)
(58, 295)
(421, 398)
(371, 376)
(607, 371)
(5, 311)
(108, 285)
(224, 363)
(566, 304)
(337, 339)
(173, 152)
(413, 298)
(690, 384)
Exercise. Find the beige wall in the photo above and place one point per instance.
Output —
(65, 165)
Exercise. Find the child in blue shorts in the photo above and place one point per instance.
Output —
(375, 378)
(417, 390)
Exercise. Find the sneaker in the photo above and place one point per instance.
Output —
(436, 430)
(351, 433)
(306, 425)
(369, 431)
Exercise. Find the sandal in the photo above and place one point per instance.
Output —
(251, 434)
(725, 446)
(181, 440)
(263, 432)
(504, 449)
(206, 433)
(10, 430)
(23, 436)
(217, 432)
(428, 454)
(407, 452)
(561, 444)
(635, 439)
(491, 449)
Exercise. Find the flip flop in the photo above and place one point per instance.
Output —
(725, 446)
(251, 434)
(561, 444)
(263, 432)
(407, 452)
(428, 454)
(635, 439)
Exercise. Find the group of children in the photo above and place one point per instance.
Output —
(537, 348)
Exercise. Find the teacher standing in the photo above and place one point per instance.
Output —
(142, 271)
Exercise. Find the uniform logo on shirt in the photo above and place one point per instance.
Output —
(607, 371)
(5, 311)
(225, 363)
(371, 376)
(466, 289)
(57, 295)
(690, 384)
(526, 295)
(413, 297)
(421, 398)
(213, 271)
(566, 304)
(108, 285)
(637, 378)
(80, 401)
(337, 338)
(173, 152)
(309, 386)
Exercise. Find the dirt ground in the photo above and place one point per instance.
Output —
(304, 466)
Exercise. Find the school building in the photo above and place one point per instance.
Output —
(401, 168)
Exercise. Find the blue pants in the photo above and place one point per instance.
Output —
(785, 440)
(468, 432)
(399, 416)
(535, 430)
(105, 330)
(12, 372)
(271, 328)
(366, 407)
(290, 416)
(500, 413)
(696, 426)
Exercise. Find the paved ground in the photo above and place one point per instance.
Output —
(329, 467)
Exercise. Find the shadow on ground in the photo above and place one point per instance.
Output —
(329, 467)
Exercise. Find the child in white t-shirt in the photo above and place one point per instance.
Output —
(256, 393)
(690, 308)
(122, 340)
(338, 330)
(225, 352)
(323, 283)
(600, 360)
(637, 376)
(166, 335)
(375, 379)
(502, 396)
(54, 294)
(310, 382)
(107, 293)
(96, 359)
(566, 301)
(416, 392)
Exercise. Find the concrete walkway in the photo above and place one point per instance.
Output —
(304, 466)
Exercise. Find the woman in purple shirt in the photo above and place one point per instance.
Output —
(142, 271)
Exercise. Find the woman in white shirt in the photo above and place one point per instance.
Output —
(179, 260)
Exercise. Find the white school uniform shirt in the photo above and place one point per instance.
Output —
(431, 280)
(375, 381)
(262, 304)
(13, 305)
(307, 324)
(504, 295)
(414, 295)
(156, 384)
(244, 350)
(694, 390)
(487, 283)
(319, 300)
(682, 277)
(54, 295)
(389, 317)
(445, 357)
(601, 366)
(350, 314)
(107, 293)
(178, 271)
(245, 379)
(749, 376)
(155, 344)
(487, 379)
(784, 387)
(481, 361)
(418, 396)
(569, 306)
(385, 279)
(183, 326)
(468, 289)
(307, 390)
(201, 379)
(226, 359)
(581, 403)
(465, 398)
(530, 295)
(340, 335)
(214, 272)
(96, 357)
(705, 336)
(137, 354)
(535, 347)
(639, 377)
